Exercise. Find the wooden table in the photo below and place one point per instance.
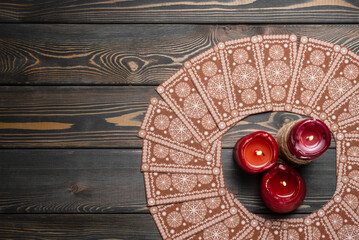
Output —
(76, 78)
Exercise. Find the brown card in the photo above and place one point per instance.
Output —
(292, 229)
(277, 55)
(240, 225)
(165, 188)
(161, 125)
(344, 119)
(347, 150)
(181, 95)
(346, 116)
(331, 222)
(208, 75)
(182, 220)
(226, 229)
(247, 93)
(159, 158)
(315, 62)
(338, 219)
(338, 102)
(340, 86)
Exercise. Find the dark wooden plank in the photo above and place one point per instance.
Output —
(97, 54)
(83, 226)
(42, 117)
(78, 226)
(110, 181)
(253, 11)
(136, 54)
(72, 116)
(70, 181)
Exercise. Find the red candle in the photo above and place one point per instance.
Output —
(309, 139)
(283, 189)
(256, 152)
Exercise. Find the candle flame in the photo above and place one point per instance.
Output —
(310, 138)
(284, 183)
(259, 152)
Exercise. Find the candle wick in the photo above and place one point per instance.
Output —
(259, 152)
(283, 183)
(310, 138)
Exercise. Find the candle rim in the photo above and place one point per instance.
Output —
(283, 205)
(298, 152)
(245, 140)
(288, 170)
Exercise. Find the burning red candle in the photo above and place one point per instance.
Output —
(256, 152)
(309, 139)
(283, 189)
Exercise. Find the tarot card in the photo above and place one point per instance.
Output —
(248, 92)
(338, 101)
(277, 55)
(315, 62)
(347, 151)
(241, 225)
(208, 75)
(181, 95)
(182, 220)
(159, 158)
(165, 188)
(161, 125)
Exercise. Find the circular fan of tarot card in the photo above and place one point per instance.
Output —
(181, 160)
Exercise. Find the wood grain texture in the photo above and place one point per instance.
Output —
(85, 87)
(96, 117)
(110, 181)
(254, 11)
(125, 54)
(82, 226)
(78, 226)
(72, 181)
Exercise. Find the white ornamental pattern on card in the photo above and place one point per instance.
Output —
(308, 81)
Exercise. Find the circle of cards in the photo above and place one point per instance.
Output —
(181, 157)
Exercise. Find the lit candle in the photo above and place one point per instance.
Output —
(306, 140)
(309, 139)
(283, 189)
(256, 152)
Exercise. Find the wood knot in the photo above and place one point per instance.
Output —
(132, 65)
(76, 188)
